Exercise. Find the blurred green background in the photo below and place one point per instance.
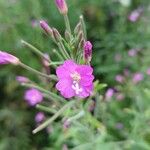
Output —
(114, 35)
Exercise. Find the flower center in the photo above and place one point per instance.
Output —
(76, 79)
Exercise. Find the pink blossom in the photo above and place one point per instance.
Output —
(33, 96)
(132, 52)
(6, 58)
(22, 79)
(148, 71)
(109, 93)
(119, 78)
(137, 77)
(74, 79)
(62, 6)
(87, 51)
(39, 117)
(134, 16)
(120, 96)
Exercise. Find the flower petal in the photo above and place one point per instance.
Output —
(84, 70)
(64, 86)
(86, 80)
(65, 70)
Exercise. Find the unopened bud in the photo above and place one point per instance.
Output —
(77, 28)
(62, 6)
(67, 35)
(87, 51)
(22, 79)
(46, 27)
(46, 60)
(6, 58)
(56, 34)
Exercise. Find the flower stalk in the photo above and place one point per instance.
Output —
(46, 109)
(68, 28)
(34, 49)
(54, 117)
(51, 94)
(37, 72)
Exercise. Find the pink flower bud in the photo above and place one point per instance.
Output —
(22, 79)
(46, 27)
(33, 96)
(132, 52)
(120, 96)
(135, 15)
(148, 71)
(39, 117)
(62, 6)
(137, 77)
(6, 58)
(109, 93)
(119, 78)
(45, 60)
(87, 51)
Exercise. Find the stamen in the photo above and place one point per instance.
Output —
(75, 76)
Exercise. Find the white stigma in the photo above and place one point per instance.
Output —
(76, 87)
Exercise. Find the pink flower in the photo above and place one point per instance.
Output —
(119, 78)
(62, 6)
(148, 71)
(120, 96)
(132, 52)
(134, 16)
(22, 79)
(6, 58)
(39, 117)
(109, 93)
(74, 79)
(33, 96)
(87, 51)
(137, 77)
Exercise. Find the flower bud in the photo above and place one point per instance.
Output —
(6, 58)
(46, 27)
(87, 51)
(56, 34)
(62, 6)
(45, 60)
(22, 79)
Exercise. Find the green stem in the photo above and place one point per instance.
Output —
(46, 109)
(77, 116)
(58, 54)
(67, 23)
(56, 63)
(64, 50)
(46, 123)
(37, 72)
(51, 94)
(34, 49)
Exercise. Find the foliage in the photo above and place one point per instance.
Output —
(113, 124)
